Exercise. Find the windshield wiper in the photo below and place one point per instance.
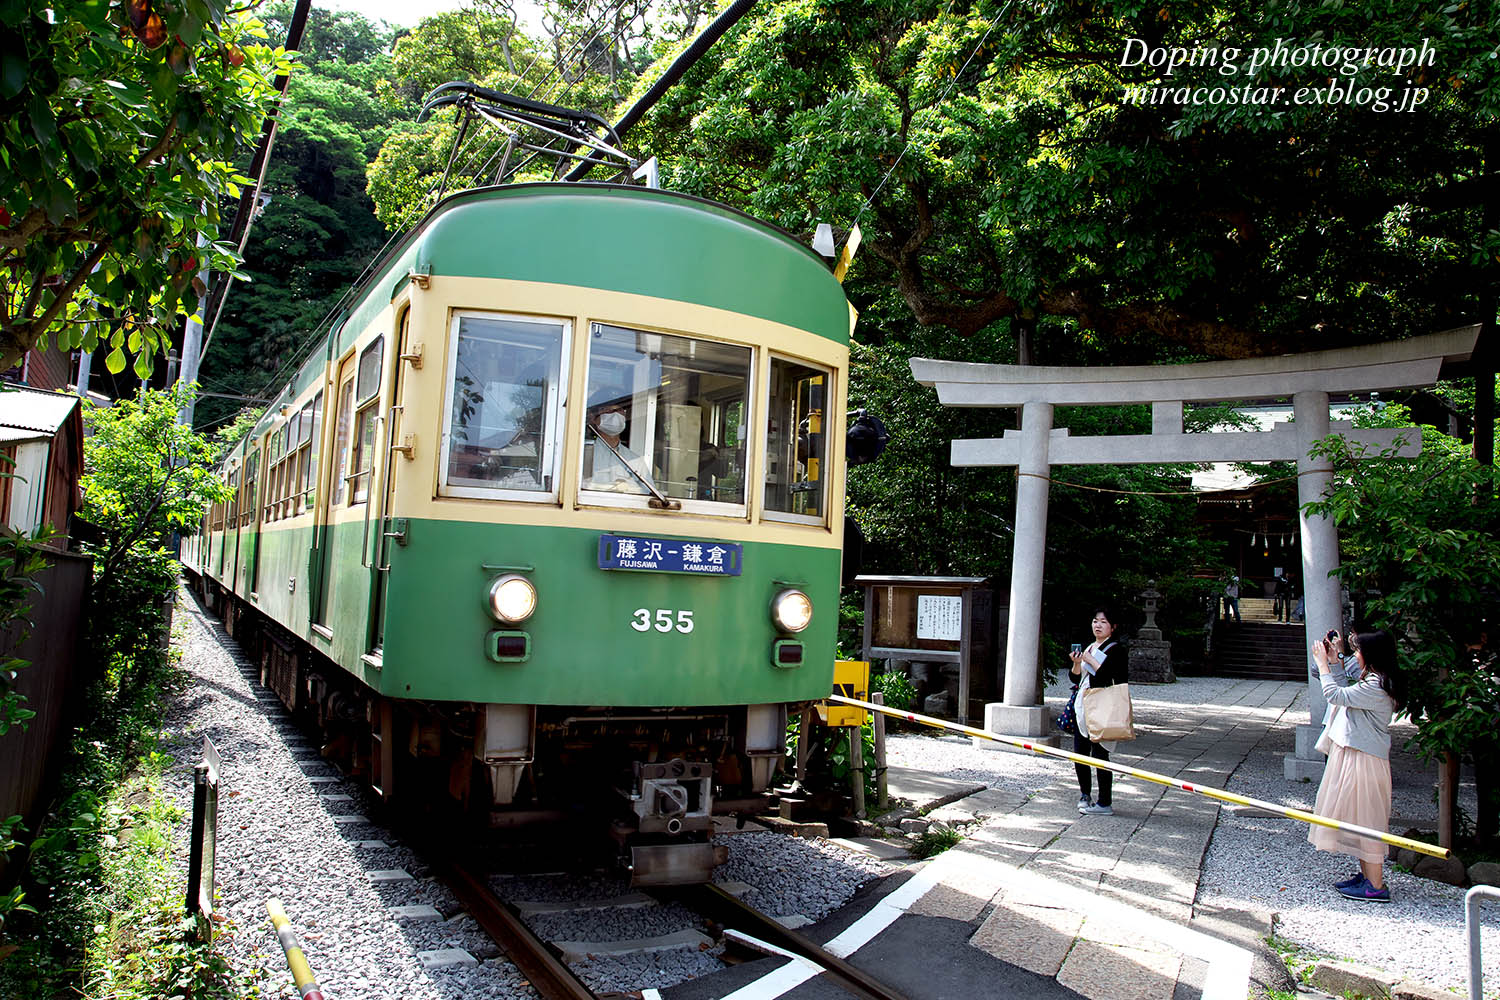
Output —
(657, 501)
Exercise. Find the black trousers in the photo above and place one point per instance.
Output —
(1085, 747)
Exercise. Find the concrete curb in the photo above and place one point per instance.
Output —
(1350, 979)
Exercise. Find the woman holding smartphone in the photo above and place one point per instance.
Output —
(1106, 661)
(1356, 737)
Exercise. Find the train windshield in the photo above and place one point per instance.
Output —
(503, 405)
(666, 417)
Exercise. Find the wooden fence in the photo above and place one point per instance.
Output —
(52, 683)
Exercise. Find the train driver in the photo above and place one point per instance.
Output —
(609, 463)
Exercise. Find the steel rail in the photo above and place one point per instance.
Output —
(547, 973)
(713, 902)
(1161, 779)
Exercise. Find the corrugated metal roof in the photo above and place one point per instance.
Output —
(35, 410)
(20, 435)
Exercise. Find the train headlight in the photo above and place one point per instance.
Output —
(791, 611)
(512, 599)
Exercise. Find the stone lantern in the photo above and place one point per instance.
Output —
(1150, 654)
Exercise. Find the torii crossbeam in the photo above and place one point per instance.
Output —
(1037, 446)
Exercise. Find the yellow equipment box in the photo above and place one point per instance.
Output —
(851, 678)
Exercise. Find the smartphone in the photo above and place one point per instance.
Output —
(1077, 647)
(1332, 635)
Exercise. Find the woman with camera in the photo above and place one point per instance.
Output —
(1356, 786)
(1105, 662)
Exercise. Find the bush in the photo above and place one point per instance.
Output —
(898, 690)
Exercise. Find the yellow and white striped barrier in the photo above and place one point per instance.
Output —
(295, 960)
(1160, 779)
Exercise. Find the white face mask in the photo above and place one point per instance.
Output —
(612, 422)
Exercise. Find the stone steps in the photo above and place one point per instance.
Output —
(1261, 649)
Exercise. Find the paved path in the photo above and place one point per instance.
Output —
(1041, 902)
(1104, 904)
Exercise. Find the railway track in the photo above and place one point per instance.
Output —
(741, 927)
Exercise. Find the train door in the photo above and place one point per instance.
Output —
(332, 496)
(356, 429)
(393, 436)
(251, 514)
(232, 523)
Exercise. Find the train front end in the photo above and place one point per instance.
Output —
(614, 511)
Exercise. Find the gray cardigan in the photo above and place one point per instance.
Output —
(1359, 715)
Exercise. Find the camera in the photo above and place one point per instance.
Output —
(1332, 636)
(1077, 647)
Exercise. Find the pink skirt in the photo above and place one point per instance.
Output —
(1356, 789)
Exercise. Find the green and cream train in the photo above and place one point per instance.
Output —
(551, 520)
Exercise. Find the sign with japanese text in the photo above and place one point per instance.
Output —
(939, 617)
(704, 557)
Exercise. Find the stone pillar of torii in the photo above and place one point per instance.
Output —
(1037, 446)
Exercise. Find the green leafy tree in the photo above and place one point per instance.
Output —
(318, 231)
(119, 124)
(145, 476)
(1008, 178)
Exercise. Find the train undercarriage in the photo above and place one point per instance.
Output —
(651, 779)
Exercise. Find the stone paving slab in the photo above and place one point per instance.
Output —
(927, 791)
(1102, 972)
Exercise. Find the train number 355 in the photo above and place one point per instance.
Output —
(642, 620)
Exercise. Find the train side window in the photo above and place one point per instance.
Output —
(309, 423)
(504, 406)
(367, 400)
(796, 445)
(289, 467)
(666, 416)
(341, 439)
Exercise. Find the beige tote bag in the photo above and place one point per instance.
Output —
(1108, 713)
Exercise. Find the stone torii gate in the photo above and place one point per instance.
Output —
(1037, 446)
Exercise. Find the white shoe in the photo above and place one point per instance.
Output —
(1084, 804)
(1097, 810)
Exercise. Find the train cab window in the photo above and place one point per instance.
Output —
(504, 406)
(367, 399)
(796, 445)
(665, 420)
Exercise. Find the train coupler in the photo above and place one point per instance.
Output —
(675, 797)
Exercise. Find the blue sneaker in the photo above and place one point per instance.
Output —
(1351, 881)
(1366, 893)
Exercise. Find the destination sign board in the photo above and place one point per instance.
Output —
(704, 557)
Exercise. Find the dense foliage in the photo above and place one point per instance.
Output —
(119, 125)
(102, 873)
(145, 475)
(317, 231)
(1000, 176)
